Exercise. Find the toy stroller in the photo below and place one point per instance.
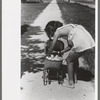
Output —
(52, 65)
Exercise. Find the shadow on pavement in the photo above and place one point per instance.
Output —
(30, 62)
(31, 66)
(31, 30)
(29, 57)
(24, 28)
(83, 74)
(30, 50)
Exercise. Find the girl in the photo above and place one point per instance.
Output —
(79, 41)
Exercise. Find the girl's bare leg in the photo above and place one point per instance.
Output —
(71, 73)
(72, 57)
(76, 65)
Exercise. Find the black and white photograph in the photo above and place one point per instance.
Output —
(58, 50)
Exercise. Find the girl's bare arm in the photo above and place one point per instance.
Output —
(70, 45)
(53, 43)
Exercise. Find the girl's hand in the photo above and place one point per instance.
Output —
(49, 52)
(59, 53)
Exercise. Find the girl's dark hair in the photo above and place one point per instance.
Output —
(51, 27)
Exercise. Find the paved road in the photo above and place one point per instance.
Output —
(88, 3)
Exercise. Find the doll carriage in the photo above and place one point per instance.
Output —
(52, 65)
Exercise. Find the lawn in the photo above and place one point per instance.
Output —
(29, 11)
(78, 14)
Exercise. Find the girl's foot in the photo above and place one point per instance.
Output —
(76, 81)
(72, 86)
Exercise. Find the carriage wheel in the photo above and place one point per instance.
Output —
(49, 81)
(45, 77)
(61, 78)
(58, 76)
